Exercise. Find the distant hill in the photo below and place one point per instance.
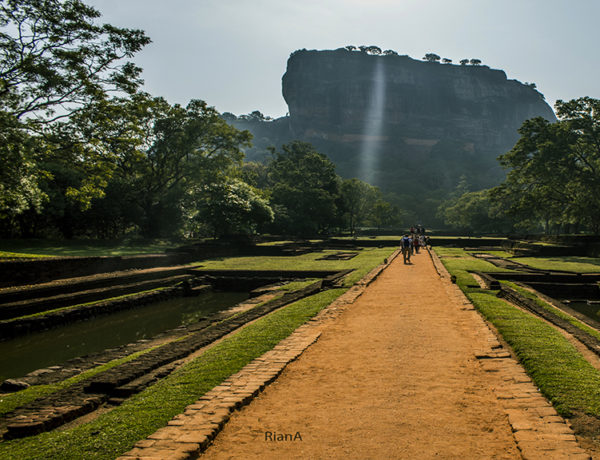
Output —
(411, 127)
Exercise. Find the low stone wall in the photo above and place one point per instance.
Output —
(22, 326)
(19, 272)
(589, 291)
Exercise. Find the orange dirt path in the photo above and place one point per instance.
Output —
(395, 376)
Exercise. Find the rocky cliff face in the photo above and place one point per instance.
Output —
(352, 96)
(415, 129)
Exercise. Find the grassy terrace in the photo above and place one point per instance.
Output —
(366, 259)
(11, 401)
(552, 309)
(557, 368)
(14, 249)
(569, 264)
(115, 432)
(71, 307)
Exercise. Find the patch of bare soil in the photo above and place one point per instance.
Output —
(393, 377)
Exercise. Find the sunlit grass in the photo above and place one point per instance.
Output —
(366, 260)
(19, 255)
(552, 309)
(564, 263)
(82, 248)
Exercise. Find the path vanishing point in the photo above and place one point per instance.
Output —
(402, 369)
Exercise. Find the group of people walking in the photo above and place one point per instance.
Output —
(412, 242)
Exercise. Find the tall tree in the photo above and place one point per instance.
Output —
(184, 147)
(229, 207)
(555, 167)
(55, 61)
(431, 57)
(358, 200)
(304, 190)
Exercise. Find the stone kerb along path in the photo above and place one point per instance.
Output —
(407, 370)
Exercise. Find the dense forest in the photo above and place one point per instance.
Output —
(85, 153)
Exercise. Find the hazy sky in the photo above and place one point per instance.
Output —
(233, 53)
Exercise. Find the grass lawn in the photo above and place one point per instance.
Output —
(556, 367)
(367, 259)
(552, 309)
(459, 263)
(502, 254)
(566, 263)
(12, 249)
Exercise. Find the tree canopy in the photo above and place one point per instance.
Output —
(55, 64)
(304, 189)
(431, 57)
(553, 178)
(555, 167)
(84, 152)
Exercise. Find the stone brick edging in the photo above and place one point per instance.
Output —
(189, 434)
(537, 428)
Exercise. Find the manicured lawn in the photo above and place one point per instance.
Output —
(84, 248)
(367, 259)
(557, 311)
(459, 263)
(567, 263)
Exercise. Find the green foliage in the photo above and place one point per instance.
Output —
(187, 147)
(385, 214)
(358, 199)
(55, 61)
(475, 212)
(431, 57)
(228, 208)
(304, 190)
(554, 175)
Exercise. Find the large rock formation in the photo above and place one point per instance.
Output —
(345, 95)
(413, 128)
